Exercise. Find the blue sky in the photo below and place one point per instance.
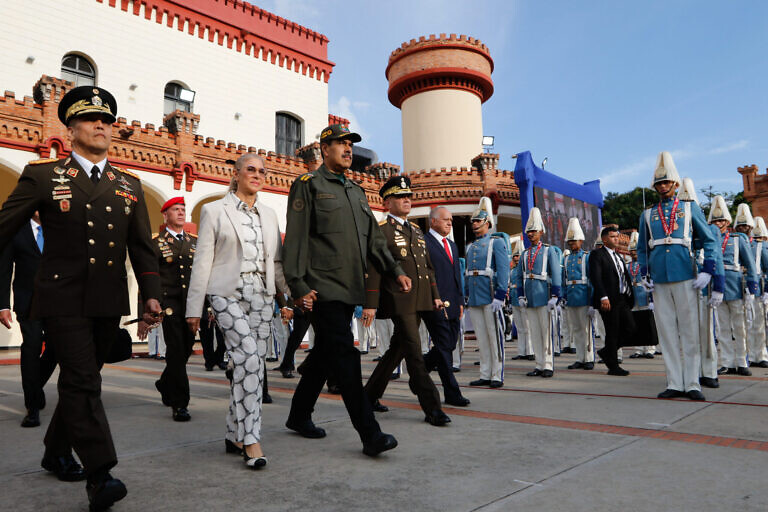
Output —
(598, 87)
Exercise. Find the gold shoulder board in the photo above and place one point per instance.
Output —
(43, 161)
(306, 177)
(192, 235)
(414, 225)
(126, 171)
(155, 235)
(382, 222)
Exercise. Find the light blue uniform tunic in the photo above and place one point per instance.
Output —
(577, 290)
(539, 282)
(486, 282)
(733, 261)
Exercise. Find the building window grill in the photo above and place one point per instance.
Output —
(78, 69)
(287, 134)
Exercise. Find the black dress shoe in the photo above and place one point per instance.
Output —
(476, 363)
(65, 468)
(459, 402)
(270, 359)
(695, 394)
(531, 357)
(231, 447)
(32, 419)
(228, 374)
(671, 393)
(363, 352)
(722, 370)
(437, 418)
(379, 407)
(394, 376)
(306, 429)
(287, 374)
(515, 358)
(709, 382)
(649, 356)
(181, 414)
(104, 494)
(575, 366)
(618, 372)
(731, 371)
(209, 368)
(381, 443)
(547, 373)
(534, 373)
(254, 462)
(334, 389)
(222, 365)
(761, 364)
(743, 371)
(571, 350)
(636, 356)
(480, 382)
(496, 384)
(376, 359)
(266, 398)
(556, 354)
(456, 369)
(589, 366)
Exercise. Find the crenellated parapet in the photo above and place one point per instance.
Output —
(755, 189)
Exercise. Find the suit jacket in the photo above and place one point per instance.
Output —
(408, 248)
(22, 256)
(219, 252)
(605, 278)
(447, 274)
(88, 229)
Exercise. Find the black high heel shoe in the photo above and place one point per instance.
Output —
(233, 448)
(255, 462)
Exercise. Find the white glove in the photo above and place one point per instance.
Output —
(749, 307)
(522, 302)
(591, 312)
(749, 300)
(497, 305)
(716, 299)
(647, 284)
(651, 306)
(702, 280)
(551, 303)
(764, 298)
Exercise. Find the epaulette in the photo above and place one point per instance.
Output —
(382, 222)
(414, 225)
(155, 235)
(43, 161)
(306, 177)
(126, 171)
(192, 235)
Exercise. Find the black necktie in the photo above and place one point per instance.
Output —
(95, 174)
(620, 270)
(180, 237)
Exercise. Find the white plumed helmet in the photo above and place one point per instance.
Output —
(719, 210)
(634, 237)
(744, 216)
(574, 231)
(534, 221)
(759, 231)
(665, 169)
(688, 192)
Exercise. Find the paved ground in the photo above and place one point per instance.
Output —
(582, 441)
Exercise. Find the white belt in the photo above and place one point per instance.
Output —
(536, 276)
(668, 241)
(735, 268)
(488, 273)
(579, 281)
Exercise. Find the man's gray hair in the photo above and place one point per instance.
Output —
(434, 213)
(240, 163)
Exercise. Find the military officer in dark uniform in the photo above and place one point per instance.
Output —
(92, 213)
(330, 235)
(174, 250)
(384, 299)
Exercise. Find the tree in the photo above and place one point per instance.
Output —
(625, 208)
(733, 200)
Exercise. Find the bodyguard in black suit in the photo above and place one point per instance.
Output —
(92, 213)
(22, 256)
(448, 279)
(613, 297)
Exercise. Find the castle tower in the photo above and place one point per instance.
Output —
(439, 84)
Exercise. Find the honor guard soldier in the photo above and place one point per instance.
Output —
(519, 317)
(384, 299)
(642, 309)
(174, 250)
(667, 231)
(487, 281)
(758, 356)
(92, 213)
(538, 291)
(577, 294)
(331, 239)
(737, 312)
(708, 299)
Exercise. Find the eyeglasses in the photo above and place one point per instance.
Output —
(255, 170)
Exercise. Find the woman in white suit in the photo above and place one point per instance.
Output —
(237, 265)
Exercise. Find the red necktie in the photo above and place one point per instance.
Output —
(447, 249)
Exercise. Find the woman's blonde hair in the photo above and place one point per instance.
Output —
(239, 165)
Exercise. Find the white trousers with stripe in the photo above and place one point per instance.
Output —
(491, 345)
(675, 312)
(539, 325)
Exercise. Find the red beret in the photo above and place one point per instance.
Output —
(172, 201)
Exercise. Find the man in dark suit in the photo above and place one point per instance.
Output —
(445, 261)
(384, 299)
(23, 256)
(613, 297)
(92, 214)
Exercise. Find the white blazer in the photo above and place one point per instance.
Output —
(219, 253)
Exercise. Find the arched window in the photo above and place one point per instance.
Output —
(287, 134)
(177, 97)
(78, 69)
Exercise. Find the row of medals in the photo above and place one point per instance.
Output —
(63, 191)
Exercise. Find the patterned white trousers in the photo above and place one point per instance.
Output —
(245, 319)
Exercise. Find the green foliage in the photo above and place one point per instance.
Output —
(624, 209)
(733, 200)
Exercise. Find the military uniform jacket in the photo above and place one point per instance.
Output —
(408, 247)
(541, 275)
(718, 279)
(174, 258)
(486, 282)
(760, 250)
(576, 288)
(642, 297)
(330, 237)
(88, 229)
(737, 255)
(514, 275)
(668, 258)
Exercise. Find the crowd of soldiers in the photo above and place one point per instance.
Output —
(406, 288)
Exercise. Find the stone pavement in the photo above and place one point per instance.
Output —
(582, 441)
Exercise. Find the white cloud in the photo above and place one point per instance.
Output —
(345, 107)
(727, 148)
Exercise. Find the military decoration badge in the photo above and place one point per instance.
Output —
(403, 252)
(64, 205)
(110, 175)
(72, 172)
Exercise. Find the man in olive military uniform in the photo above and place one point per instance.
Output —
(174, 250)
(330, 235)
(384, 299)
(91, 212)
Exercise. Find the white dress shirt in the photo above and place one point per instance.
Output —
(440, 239)
(87, 165)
